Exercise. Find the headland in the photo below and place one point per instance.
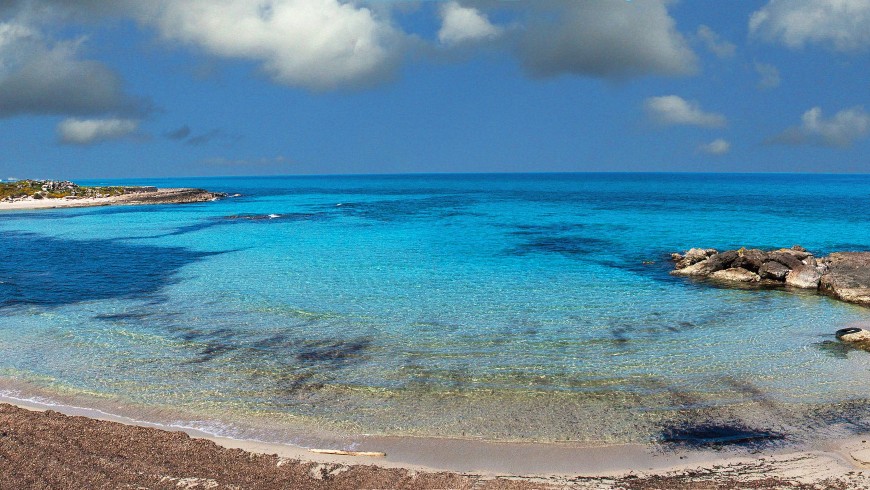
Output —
(48, 194)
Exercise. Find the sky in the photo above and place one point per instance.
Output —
(163, 88)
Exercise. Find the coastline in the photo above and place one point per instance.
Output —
(161, 196)
(442, 463)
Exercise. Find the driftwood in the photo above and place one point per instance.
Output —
(339, 452)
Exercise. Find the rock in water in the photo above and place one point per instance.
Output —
(785, 258)
(751, 260)
(803, 276)
(736, 274)
(693, 256)
(847, 277)
(698, 269)
(721, 261)
(773, 270)
(853, 334)
(843, 275)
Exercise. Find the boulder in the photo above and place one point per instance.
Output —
(698, 269)
(773, 270)
(803, 276)
(786, 258)
(847, 277)
(751, 260)
(853, 334)
(693, 256)
(798, 254)
(736, 274)
(721, 261)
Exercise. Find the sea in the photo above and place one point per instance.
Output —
(502, 307)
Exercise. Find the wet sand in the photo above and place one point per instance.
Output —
(162, 196)
(47, 449)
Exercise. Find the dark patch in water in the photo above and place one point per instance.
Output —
(50, 272)
(565, 245)
(242, 219)
(121, 317)
(719, 435)
(332, 353)
(624, 333)
(438, 207)
(835, 349)
(843, 247)
(317, 363)
(535, 230)
(291, 366)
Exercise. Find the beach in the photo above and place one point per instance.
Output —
(160, 196)
(47, 449)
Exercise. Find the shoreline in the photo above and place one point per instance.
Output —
(179, 195)
(534, 464)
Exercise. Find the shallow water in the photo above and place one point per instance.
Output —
(510, 307)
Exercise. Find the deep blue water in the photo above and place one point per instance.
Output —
(498, 306)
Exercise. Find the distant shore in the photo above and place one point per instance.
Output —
(157, 196)
(47, 449)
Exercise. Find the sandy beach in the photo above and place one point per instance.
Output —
(161, 196)
(48, 449)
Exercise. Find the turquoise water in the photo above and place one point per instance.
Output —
(517, 307)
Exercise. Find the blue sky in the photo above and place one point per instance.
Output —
(124, 88)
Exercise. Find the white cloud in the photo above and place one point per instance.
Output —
(840, 131)
(90, 131)
(841, 24)
(716, 147)
(614, 39)
(328, 44)
(463, 24)
(317, 44)
(769, 75)
(674, 110)
(42, 76)
(715, 44)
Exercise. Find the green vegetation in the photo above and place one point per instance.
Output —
(50, 189)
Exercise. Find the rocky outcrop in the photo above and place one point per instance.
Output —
(847, 277)
(167, 196)
(843, 275)
(804, 276)
(736, 274)
(773, 270)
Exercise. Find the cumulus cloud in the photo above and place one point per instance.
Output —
(840, 131)
(769, 75)
(90, 131)
(716, 147)
(674, 110)
(40, 76)
(714, 43)
(317, 44)
(603, 39)
(329, 44)
(843, 25)
(464, 24)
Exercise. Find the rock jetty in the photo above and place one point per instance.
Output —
(843, 275)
